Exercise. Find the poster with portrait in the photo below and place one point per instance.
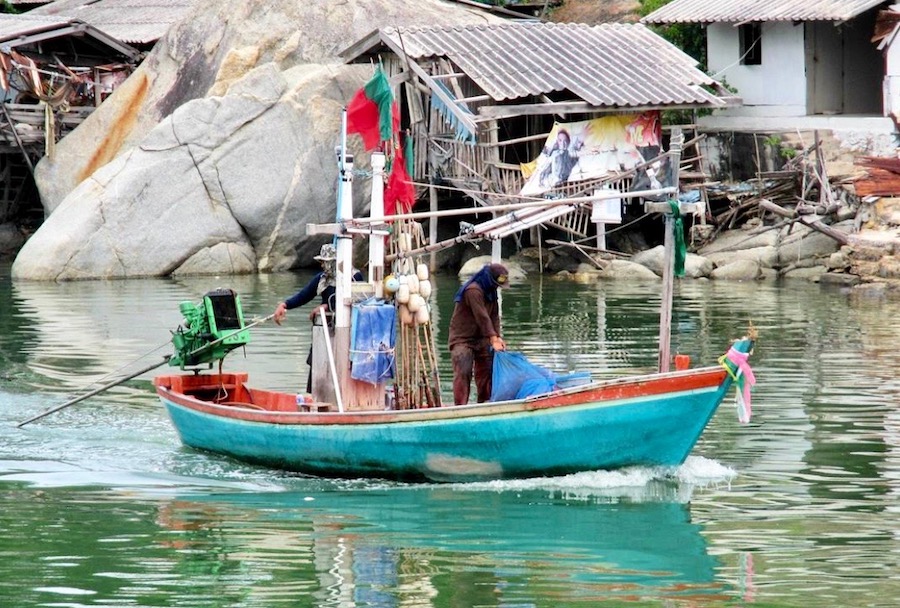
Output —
(592, 149)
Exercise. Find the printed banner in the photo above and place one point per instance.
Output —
(592, 149)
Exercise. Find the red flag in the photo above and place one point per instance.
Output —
(399, 192)
(373, 113)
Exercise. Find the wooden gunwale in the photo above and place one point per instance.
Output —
(594, 394)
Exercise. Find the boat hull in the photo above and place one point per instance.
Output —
(645, 420)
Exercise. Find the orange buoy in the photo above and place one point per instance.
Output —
(682, 362)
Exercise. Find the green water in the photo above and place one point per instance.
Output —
(101, 506)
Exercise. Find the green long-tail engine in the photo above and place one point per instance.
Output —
(210, 330)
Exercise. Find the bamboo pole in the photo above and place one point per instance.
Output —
(93, 392)
(837, 235)
(331, 363)
(165, 360)
(514, 206)
(492, 224)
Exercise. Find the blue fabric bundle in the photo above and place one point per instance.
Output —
(515, 377)
(373, 332)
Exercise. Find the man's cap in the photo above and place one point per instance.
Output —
(500, 274)
(326, 253)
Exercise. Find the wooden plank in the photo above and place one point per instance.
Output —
(837, 235)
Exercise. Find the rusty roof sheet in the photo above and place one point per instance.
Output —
(608, 65)
(745, 11)
(131, 21)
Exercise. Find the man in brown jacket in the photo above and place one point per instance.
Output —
(475, 332)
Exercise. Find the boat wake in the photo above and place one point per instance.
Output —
(635, 484)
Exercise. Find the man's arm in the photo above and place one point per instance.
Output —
(304, 296)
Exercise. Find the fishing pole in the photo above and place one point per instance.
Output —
(138, 373)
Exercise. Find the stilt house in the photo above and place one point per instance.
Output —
(531, 111)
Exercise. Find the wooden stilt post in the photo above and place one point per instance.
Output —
(15, 134)
(668, 279)
(665, 311)
(432, 226)
(376, 242)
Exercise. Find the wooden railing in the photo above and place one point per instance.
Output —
(470, 166)
(29, 121)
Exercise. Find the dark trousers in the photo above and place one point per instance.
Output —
(468, 359)
(309, 376)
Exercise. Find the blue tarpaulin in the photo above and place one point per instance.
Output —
(373, 331)
(515, 377)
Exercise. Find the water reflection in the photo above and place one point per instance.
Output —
(386, 547)
(524, 545)
(809, 511)
(73, 336)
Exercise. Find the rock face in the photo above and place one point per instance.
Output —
(217, 152)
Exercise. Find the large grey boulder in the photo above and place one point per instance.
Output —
(626, 270)
(766, 257)
(516, 272)
(738, 270)
(223, 185)
(736, 240)
(217, 152)
(695, 266)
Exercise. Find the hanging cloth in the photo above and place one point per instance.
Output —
(680, 246)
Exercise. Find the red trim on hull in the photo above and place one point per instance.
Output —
(227, 396)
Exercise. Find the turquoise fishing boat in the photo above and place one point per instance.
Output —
(375, 409)
(641, 420)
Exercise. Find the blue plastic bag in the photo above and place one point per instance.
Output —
(515, 377)
(372, 336)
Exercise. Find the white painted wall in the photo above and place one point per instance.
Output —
(777, 87)
(892, 55)
(892, 76)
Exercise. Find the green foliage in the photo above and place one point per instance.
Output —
(689, 37)
(785, 151)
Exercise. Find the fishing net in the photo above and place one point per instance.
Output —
(515, 377)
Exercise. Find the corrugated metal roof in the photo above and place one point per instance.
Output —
(131, 21)
(13, 26)
(740, 11)
(609, 65)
